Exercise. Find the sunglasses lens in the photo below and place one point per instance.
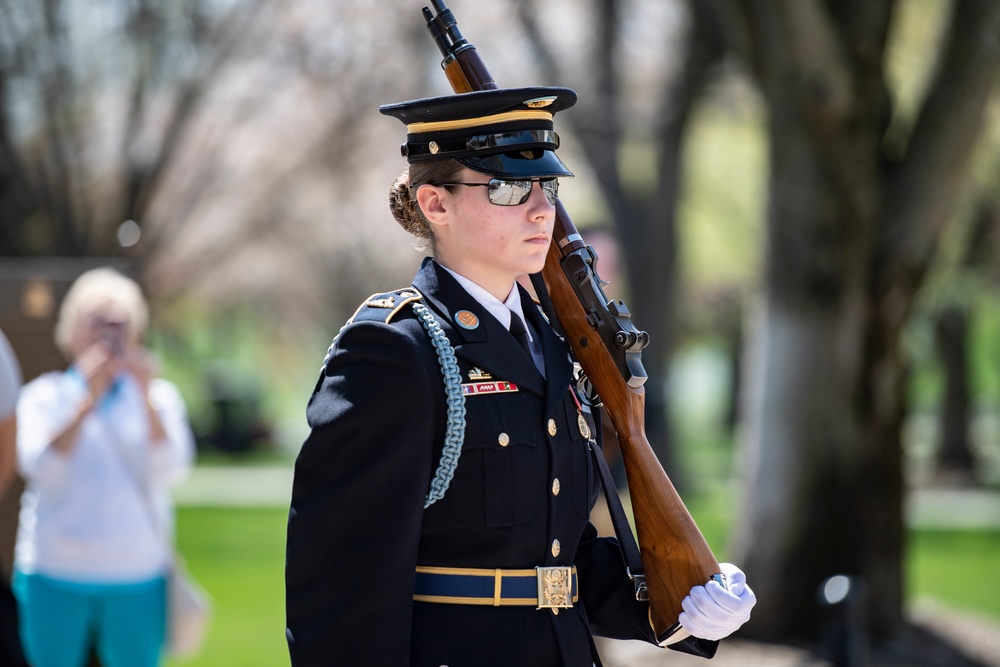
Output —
(515, 193)
(509, 193)
(551, 190)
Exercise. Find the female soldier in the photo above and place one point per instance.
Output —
(395, 554)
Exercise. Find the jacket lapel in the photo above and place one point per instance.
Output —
(558, 366)
(488, 344)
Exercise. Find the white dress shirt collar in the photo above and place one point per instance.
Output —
(499, 309)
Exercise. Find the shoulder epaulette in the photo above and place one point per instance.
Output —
(383, 306)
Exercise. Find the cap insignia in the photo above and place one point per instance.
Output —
(433, 147)
(540, 102)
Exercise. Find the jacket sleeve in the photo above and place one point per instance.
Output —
(357, 501)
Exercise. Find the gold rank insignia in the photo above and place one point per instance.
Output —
(389, 302)
(479, 374)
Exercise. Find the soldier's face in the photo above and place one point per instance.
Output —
(489, 244)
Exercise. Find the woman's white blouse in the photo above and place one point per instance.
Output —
(83, 517)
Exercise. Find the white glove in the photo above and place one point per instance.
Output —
(713, 611)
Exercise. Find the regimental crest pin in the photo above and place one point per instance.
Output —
(466, 319)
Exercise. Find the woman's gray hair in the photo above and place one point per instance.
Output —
(96, 290)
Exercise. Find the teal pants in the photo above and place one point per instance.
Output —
(60, 621)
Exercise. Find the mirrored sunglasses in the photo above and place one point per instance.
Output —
(514, 193)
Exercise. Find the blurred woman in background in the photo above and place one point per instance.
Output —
(98, 446)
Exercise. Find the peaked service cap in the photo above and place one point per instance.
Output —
(505, 132)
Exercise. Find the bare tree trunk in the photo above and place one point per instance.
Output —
(850, 239)
(955, 461)
(954, 458)
(802, 431)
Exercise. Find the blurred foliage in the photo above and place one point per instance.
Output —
(723, 198)
(240, 356)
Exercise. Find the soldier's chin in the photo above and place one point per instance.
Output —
(537, 265)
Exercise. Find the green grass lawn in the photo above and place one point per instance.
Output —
(238, 555)
(956, 567)
(950, 566)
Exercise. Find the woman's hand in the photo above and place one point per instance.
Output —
(140, 364)
(98, 366)
(714, 611)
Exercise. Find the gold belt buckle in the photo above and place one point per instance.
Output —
(555, 587)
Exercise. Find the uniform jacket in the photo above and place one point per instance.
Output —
(357, 526)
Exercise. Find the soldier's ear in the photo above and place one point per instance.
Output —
(434, 203)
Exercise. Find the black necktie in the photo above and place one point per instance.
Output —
(519, 332)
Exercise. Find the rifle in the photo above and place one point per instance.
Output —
(675, 556)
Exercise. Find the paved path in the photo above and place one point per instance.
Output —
(247, 486)
(270, 486)
(953, 508)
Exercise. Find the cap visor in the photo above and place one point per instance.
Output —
(515, 166)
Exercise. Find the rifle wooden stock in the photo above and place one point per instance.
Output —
(674, 553)
(466, 72)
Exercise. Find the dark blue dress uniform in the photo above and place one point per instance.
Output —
(520, 497)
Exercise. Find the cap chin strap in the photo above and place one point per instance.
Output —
(463, 146)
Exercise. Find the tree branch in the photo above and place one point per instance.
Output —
(925, 189)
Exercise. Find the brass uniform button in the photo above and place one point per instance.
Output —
(555, 548)
(555, 487)
(503, 439)
(552, 427)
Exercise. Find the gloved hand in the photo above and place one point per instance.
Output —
(713, 611)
